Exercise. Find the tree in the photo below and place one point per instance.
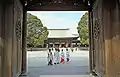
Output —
(36, 32)
(83, 29)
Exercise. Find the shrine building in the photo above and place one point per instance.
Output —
(61, 38)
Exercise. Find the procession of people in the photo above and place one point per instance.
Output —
(57, 56)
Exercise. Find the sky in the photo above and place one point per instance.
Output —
(59, 19)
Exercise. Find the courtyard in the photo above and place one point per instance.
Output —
(77, 67)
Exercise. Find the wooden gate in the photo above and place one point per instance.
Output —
(97, 40)
(17, 39)
(1, 41)
(105, 32)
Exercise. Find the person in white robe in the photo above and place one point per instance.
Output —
(62, 57)
(67, 55)
(56, 56)
(50, 57)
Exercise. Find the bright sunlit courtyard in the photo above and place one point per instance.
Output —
(77, 67)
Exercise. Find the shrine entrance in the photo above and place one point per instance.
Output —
(104, 33)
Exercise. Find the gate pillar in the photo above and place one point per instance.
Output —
(105, 46)
(24, 45)
(90, 43)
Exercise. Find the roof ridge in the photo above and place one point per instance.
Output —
(59, 29)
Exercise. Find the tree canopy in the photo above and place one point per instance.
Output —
(36, 32)
(83, 29)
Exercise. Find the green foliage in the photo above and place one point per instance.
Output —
(83, 29)
(36, 32)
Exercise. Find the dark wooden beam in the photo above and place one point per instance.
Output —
(51, 5)
(22, 2)
(58, 8)
(34, 2)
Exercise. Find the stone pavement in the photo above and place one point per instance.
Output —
(64, 76)
(77, 67)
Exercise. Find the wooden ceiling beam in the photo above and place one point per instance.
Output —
(57, 5)
(34, 2)
(58, 8)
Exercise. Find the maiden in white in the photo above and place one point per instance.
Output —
(56, 56)
(67, 55)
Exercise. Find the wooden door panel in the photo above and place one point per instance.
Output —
(98, 38)
(17, 38)
(1, 38)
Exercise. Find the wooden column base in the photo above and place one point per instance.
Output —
(24, 74)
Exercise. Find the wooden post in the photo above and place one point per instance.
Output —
(90, 37)
(7, 37)
(24, 46)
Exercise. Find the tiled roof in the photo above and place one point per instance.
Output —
(61, 33)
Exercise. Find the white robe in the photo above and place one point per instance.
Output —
(56, 57)
(62, 54)
(67, 54)
(50, 57)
